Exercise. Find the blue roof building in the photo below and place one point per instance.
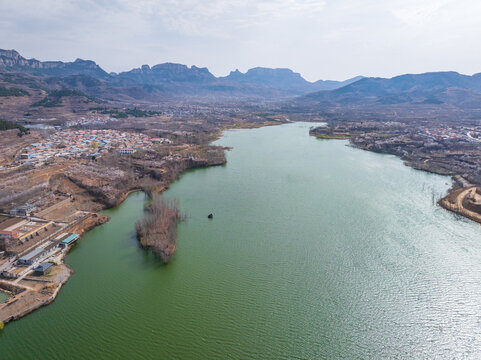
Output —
(69, 240)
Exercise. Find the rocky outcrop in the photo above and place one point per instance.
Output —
(167, 73)
(11, 60)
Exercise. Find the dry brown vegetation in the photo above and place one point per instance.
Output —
(157, 230)
(12, 145)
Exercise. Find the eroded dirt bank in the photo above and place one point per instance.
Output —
(81, 189)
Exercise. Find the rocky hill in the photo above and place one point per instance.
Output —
(284, 80)
(429, 88)
(12, 61)
(166, 73)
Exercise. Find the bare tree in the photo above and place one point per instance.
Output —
(157, 229)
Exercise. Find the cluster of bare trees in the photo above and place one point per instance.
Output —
(149, 186)
(95, 171)
(47, 198)
(8, 196)
(17, 172)
(157, 229)
(208, 154)
(14, 181)
(106, 183)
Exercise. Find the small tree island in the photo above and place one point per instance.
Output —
(157, 229)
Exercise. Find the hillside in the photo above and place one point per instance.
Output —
(284, 80)
(162, 82)
(11, 60)
(429, 88)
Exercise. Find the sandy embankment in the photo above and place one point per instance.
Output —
(457, 201)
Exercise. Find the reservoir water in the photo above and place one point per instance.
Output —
(316, 251)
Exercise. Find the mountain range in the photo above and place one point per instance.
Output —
(169, 81)
(11, 60)
(165, 80)
(435, 88)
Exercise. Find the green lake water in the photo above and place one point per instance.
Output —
(316, 251)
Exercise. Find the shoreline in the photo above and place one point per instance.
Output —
(451, 202)
(27, 298)
(454, 199)
(35, 297)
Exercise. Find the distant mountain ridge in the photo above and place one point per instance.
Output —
(433, 88)
(165, 80)
(169, 81)
(167, 72)
(323, 85)
(11, 60)
(284, 79)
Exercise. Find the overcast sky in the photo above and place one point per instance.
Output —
(321, 39)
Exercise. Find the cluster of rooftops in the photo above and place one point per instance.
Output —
(62, 241)
(85, 143)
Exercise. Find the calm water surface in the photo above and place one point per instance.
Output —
(316, 250)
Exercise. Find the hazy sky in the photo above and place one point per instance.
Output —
(321, 39)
